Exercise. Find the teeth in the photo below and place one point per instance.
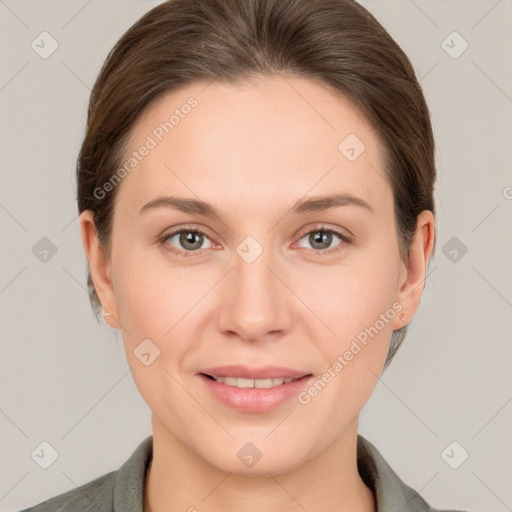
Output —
(240, 382)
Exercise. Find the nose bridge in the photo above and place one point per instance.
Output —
(255, 302)
(253, 278)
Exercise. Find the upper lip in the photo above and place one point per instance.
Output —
(263, 372)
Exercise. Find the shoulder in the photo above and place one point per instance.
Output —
(96, 495)
(449, 510)
(117, 491)
(390, 492)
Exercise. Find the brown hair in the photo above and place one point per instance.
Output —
(336, 42)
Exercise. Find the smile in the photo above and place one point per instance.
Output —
(252, 395)
(241, 382)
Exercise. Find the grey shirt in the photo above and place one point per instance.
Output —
(123, 490)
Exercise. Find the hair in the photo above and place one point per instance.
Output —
(337, 43)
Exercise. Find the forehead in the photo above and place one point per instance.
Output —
(269, 138)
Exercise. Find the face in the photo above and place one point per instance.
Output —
(265, 281)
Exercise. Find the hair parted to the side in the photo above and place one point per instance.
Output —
(335, 42)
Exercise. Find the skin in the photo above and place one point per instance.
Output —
(253, 150)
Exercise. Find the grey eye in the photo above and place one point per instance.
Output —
(320, 238)
(188, 239)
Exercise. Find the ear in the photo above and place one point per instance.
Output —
(99, 266)
(413, 273)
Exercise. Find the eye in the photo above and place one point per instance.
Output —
(321, 238)
(187, 240)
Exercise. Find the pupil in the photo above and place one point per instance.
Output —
(189, 237)
(322, 236)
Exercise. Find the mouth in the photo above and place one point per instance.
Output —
(253, 390)
(242, 382)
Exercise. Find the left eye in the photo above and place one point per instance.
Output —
(321, 239)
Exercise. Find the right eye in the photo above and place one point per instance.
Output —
(190, 241)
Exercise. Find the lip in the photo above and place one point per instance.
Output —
(254, 400)
(264, 372)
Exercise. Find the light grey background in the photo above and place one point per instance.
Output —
(65, 379)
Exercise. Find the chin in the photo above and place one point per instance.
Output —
(261, 468)
(258, 458)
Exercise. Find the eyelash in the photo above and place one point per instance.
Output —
(345, 240)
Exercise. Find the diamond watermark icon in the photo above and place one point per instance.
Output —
(351, 147)
(249, 249)
(454, 249)
(44, 455)
(454, 45)
(44, 250)
(44, 45)
(249, 454)
(146, 352)
(454, 455)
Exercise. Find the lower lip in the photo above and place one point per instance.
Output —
(255, 399)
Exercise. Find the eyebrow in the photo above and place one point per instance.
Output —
(301, 207)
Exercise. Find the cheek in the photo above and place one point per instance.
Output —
(142, 303)
(351, 297)
(152, 307)
(151, 296)
(352, 303)
(356, 302)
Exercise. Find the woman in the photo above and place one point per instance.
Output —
(255, 190)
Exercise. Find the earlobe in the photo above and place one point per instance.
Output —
(413, 282)
(99, 266)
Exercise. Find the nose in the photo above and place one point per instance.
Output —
(255, 304)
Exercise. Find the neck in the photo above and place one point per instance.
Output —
(179, 480)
